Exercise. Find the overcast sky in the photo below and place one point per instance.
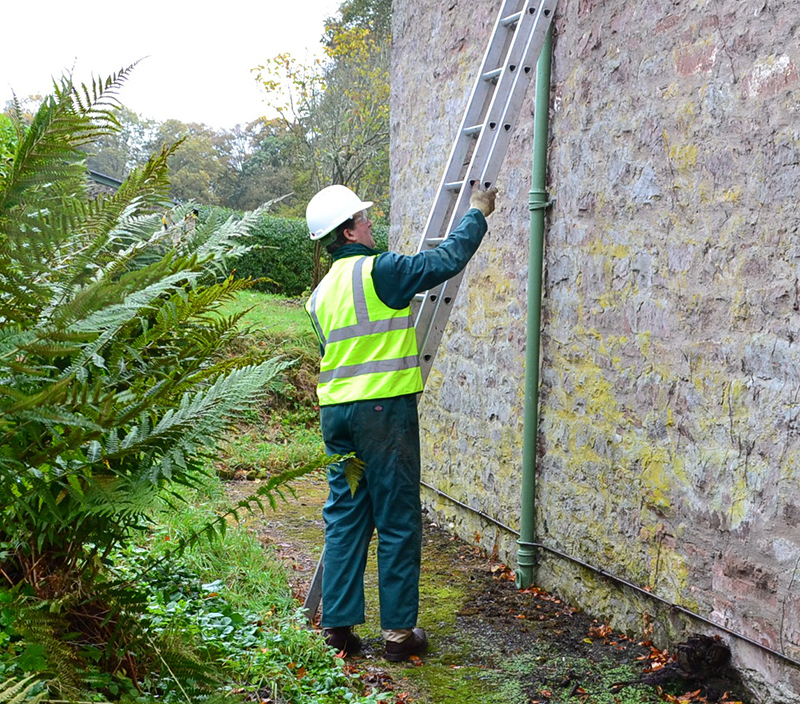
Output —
(198, 56)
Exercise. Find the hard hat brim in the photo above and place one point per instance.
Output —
(362, 205)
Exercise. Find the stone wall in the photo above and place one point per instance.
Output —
(670, 409)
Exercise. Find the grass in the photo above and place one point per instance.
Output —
(284, 430)
(553, 679)
(226, 605)
(252, 575)
(284, 659)
(278, 317)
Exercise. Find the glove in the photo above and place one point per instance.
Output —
(483, 200)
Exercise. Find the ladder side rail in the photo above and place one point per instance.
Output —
(437, 301)
(435, 308)
(511, 109)
(483, 164)
(490, 149)
(434, 331)
(314, 595)
(473, 116)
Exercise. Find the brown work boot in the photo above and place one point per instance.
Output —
(343, 639)
(415, 644)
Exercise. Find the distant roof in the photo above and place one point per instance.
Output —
(104, 180)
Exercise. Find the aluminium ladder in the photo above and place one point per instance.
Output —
(480, 147)
(476, 156)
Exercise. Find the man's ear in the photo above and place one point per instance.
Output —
(349, 234)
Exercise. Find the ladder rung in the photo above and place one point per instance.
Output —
(492, 75)
(511, 19)
(434, 241)
(473, 131)
(454, 186)
(427, 297)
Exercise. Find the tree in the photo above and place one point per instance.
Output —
(116, 375)
(338, 109)
(128, 147)
(374, 15)
(262, 166)
(198, 167)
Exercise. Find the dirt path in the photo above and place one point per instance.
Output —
(489, 642)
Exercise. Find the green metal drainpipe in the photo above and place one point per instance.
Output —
(538, 200)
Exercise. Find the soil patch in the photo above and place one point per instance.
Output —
(490, 641)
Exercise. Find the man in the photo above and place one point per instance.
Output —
(369, 379)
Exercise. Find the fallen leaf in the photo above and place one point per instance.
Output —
(667, 697)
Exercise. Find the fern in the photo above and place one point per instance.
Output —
(117, 376)
(20, 692)
(46, 626)
(353, 469)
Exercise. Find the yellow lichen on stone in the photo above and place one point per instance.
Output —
(685, 116)
(732, 195)
(684, 156)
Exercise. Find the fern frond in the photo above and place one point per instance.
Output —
(53, 393)
(42, 624)
(271, 490)
(21, 692)
(353, 469)
(201, 416)
(219, 243)
(110, 319)
(48, 151)
(199, 303)
(108, 220)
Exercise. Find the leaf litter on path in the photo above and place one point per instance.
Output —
(488, 640)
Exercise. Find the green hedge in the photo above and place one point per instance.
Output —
(284, 253)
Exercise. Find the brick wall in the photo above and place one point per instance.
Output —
(669, 441)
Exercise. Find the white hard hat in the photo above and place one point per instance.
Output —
(330, 208)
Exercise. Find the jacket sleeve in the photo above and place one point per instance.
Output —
(399, 277)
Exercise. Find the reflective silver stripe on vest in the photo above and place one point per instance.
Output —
(380, 366)
(359, 298)
(364, 326)
(315, 319)
(370, 327)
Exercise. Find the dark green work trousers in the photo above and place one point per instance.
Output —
(384, 434)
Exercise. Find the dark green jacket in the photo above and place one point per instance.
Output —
(399, 277)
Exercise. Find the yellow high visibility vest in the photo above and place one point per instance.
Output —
(369, 349)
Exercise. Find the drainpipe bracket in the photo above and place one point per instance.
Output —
(543, 204)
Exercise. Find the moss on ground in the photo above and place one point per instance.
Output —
(447, 684)
(488, 641)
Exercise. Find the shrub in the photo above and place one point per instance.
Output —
(282, 254)
(116, 376)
